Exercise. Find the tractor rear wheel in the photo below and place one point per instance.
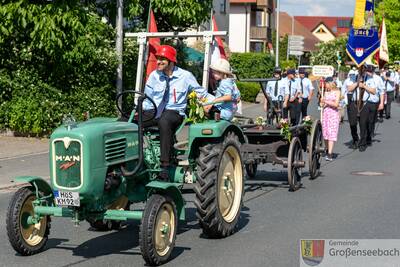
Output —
(26, 239)
(219, 187)
(108, 225)
(158, 229)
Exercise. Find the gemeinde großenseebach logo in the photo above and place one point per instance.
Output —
(312, 251)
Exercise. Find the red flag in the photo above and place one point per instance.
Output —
(153, 45)
(382, 56)
(218, 47)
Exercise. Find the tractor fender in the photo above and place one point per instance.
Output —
(218, 131)
(172, 190)
(41, 184)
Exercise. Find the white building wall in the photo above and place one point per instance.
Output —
(239, 28)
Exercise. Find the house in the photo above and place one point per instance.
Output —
(288, 26)
(326, 28)
(250, 25)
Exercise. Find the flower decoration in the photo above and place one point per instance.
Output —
(260, 121)
(308, 121)
(196, 110)
(285, 131)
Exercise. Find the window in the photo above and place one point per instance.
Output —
(321, 30)
(259, 18)
(256, 47)
(343, 23)
(223, 7)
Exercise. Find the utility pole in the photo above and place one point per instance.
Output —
(119, 45)
(277, 34)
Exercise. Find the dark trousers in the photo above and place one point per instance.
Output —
(168, 123)
(353, 119)
(388, 106)
(295, 111)
(367, 122)
(304, 106)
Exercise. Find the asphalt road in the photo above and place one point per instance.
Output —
(337, 205)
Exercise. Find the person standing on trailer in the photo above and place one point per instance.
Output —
(168, 86)
(276, 92)
(292, 99)
(307, 91)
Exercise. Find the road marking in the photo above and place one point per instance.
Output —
(24, 155)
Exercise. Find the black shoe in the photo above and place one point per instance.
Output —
(164, 174)
(362, 148)
(387, 117)
(380, 120)
(369, 143)
(354, 145)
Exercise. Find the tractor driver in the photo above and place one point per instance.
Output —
(168, 86)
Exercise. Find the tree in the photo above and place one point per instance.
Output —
(326, 53)
(390, 10)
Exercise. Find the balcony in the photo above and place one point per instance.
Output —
(261, 33)
(265, 3)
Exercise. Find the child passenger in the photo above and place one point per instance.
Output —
(227, 94)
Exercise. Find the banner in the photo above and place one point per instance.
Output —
(153, 45)
(363, 37)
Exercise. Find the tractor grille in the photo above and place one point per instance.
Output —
(115, 149)
(67, 163)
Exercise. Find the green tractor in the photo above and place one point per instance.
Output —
(99, 167)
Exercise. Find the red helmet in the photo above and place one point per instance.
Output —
(167, 51)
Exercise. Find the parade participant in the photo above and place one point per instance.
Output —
(336, 80)
(168, 86)
(331, 115)
(343, 94)
(351, 93)
(389, 83)
(370, 100)
(226, 95)
(378, 76)
(307, 91)
(397, 81)
(275, 91)
(292, 99)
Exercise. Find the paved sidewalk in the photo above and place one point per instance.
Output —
(11, 147)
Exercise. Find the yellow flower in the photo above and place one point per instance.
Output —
(192, 95)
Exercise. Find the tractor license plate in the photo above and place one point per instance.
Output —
(67, 198)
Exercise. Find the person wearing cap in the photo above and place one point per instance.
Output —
(350, 88)
(168, 86)
(227, 95)
(378, 76)
(331, 116)
(371, 96)
(276, 92)
(292, 99)
(389, 86)
(307, 91)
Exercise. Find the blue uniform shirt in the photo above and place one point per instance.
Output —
(307, 86)
(292, 87)
(227, 87)
(270, 90)
(181, 83)
(375, 98)
(389, 85)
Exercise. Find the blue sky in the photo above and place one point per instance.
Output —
(318, 7)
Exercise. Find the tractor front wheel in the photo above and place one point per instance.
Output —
(26, 239)
(158, 229)
(219, 187)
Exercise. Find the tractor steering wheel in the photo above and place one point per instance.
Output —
(134, 105)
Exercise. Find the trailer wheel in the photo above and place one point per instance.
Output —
(108, 225)
(219, 187)
(26, 239)
(314, 149)
(251, 170)
(295, 164)
(158, 229)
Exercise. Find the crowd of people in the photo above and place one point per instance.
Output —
(366, 96)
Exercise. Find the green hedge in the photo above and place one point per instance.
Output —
(248, 91)
(252, 65)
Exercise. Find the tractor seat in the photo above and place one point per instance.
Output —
(152, 130)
